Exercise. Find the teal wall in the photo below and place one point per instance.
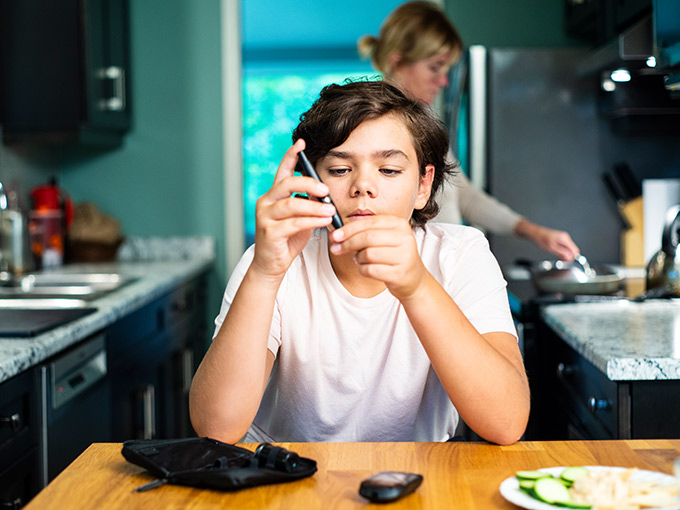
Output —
(166, 179)
(503, 23)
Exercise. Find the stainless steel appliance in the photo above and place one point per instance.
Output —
(76, 408)
(527, 128)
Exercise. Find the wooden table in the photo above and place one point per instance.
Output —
(457, 475)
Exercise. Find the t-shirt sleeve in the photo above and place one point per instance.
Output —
(474, 280)
(274, 341)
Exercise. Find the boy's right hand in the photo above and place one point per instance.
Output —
(283, 223)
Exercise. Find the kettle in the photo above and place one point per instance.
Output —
(663, 270)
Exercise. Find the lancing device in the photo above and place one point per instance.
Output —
(307, 169)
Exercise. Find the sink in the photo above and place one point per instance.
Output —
(32, 321)
(86, 286)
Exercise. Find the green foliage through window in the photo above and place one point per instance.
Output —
(272, 105)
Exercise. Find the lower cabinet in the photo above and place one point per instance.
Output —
(152, 359)
(144, 364)
(20, 481)
(577, 401)
(20, 472)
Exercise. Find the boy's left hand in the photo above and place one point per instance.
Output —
(385, 249)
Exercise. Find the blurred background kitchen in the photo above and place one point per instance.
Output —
(152, 120)
(213, 89)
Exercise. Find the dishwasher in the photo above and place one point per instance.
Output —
(76, 405)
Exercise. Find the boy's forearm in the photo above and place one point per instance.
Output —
(488, 386)
(228, 385)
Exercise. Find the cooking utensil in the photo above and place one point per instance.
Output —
(581, 259)
(663, 270)
(568, 278)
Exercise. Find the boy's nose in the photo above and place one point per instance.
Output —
(363, 185)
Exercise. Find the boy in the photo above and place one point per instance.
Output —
(383, 330)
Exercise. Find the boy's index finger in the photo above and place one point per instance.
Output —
(353, 228)
(289, 161)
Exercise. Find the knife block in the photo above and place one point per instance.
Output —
(632, 239)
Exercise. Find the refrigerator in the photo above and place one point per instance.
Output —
(526, 129)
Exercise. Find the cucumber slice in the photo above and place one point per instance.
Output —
(532, 475)
(573, 504)
(527, 484)
(551, 491)
(571, 474)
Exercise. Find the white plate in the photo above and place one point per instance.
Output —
(510, 487)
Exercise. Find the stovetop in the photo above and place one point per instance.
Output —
(526, 301)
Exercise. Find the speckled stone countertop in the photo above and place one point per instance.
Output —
(160, 265)
(628, 341)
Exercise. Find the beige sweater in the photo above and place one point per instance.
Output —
(460, 199)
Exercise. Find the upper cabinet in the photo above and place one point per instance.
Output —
(600, 20)
(64, 72)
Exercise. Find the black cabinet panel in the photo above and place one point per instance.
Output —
(64, 73)
(153, 355)
(20, 481)
(19, 436)
(656, 409)
(599, 21)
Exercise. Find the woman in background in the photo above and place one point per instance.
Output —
(414, 50)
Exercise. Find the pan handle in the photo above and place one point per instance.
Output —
(524, 263)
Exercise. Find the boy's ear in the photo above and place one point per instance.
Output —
(425, 187)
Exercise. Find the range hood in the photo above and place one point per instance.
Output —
(639, 74)
(631, 49)
(651, 46)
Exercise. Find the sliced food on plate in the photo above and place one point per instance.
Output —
(592, 487)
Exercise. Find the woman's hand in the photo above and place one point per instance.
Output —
(386, 250)
(554, 241)
(283, 223)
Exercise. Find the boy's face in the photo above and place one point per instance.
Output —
(375, 171)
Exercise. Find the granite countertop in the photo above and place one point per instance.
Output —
(628, 341)
(159, 264)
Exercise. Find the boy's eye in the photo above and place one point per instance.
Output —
(337, 171)
(390, 171)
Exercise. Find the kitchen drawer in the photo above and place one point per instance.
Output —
(589, 396)
(20, 481)
(19, 428)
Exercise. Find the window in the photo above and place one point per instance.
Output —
(273, 100)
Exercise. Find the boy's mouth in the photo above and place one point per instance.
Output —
(360, 213)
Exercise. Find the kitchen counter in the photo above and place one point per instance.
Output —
(160, 264)
(627, 341)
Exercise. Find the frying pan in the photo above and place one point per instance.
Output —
(570, 278)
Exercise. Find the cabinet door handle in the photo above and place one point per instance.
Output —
(15, 504)
(596, 404)
(149, 398)
(564, 370)
(14, 421)
(116, 103)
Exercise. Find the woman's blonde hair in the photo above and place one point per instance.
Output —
(415, 30)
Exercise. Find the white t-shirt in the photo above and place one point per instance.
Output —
(353, 369)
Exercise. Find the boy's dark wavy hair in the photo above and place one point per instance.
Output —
(341, 108)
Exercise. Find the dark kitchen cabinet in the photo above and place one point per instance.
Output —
(64, 73)
(578, 401)
(599, 21)
(19, 439)
(152, 359)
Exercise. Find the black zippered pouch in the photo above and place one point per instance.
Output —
(208, 463)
